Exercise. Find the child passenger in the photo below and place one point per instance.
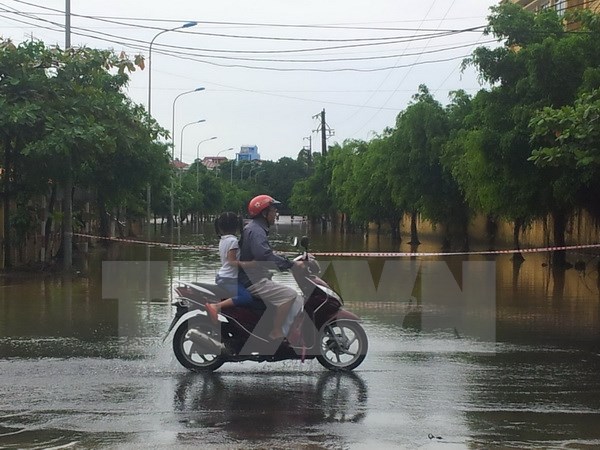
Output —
(226, 226)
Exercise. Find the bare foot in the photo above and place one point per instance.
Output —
(276, 337)
(212, 312)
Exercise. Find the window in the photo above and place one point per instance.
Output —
(543, 5)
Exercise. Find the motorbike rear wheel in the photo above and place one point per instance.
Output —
(343, 345)
(189, 354)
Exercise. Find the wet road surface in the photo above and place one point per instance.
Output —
(413, 391)
(68, 381)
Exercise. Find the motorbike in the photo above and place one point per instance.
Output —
(323, 329)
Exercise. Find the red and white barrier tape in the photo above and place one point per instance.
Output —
(156, 244)
(359, 254)
(486, 252)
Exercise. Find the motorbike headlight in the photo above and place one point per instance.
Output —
(313, 267)
(331, 293)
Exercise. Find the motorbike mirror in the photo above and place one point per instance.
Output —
(304, 242)
(295, 242)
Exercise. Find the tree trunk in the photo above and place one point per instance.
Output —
(395, 227)
(67, 221)
(414, 236)
(6, 204)
(559, 219)
(334, 218)
(48, 224)
(491, 229)
(516, 232)
(446, 238)
(349, 226)
(103, 219)
(466, 245)
(323, 223)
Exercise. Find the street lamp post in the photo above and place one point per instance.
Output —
(221, 151)
(231, 175)
(181, 152)
(172, 200)
(181, 140)
(198, 160)
(252, 167)
(226, 150)
(185, 25)
(173, 118)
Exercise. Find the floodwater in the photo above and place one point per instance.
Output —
(71, 377)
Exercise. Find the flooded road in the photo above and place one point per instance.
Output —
(70, 379)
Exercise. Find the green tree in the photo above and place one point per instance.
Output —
(374, 201)
(487, 158)
(567, 140)
(343, 185)
(569, 136)
(66, 123)
(540, 65)
(23, 88)
(419, 182)
(278, 178)
(312, 196)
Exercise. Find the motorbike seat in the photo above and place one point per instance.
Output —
(221, 293)
(217, 290)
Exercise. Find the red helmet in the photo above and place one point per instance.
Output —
(259, 203)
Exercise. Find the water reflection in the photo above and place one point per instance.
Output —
(534, 300)
(536, 385)
(531, 397)
(246, 405)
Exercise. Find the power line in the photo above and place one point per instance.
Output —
(278, 69)
(245, 24)
(441, 33)
(269, 38)
(347, 69)
(227, 51)
(330, 60)
(384, 80)
(129, 44)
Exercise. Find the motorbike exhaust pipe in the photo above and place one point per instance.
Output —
(204, 341)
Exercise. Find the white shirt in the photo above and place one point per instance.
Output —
(228, 242)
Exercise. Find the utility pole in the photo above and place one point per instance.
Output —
(309, 149)
(326, 132)
(323, 137)
(68, 187)
(67, 24)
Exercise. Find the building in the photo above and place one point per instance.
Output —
(180, 165)
(248, 153)
(212, 162)
(560, 5)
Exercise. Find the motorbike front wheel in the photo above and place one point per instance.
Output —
(343, 345)
(189, 354)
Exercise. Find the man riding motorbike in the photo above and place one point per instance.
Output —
(254, 246)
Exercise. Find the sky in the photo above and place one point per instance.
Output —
(268, 67)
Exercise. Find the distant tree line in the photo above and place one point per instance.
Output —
(526, 148)
(74, 146)
(78, 155)
(65, 124)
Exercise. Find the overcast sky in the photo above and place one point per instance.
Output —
(258, 61)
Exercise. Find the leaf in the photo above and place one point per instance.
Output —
(140, 61)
